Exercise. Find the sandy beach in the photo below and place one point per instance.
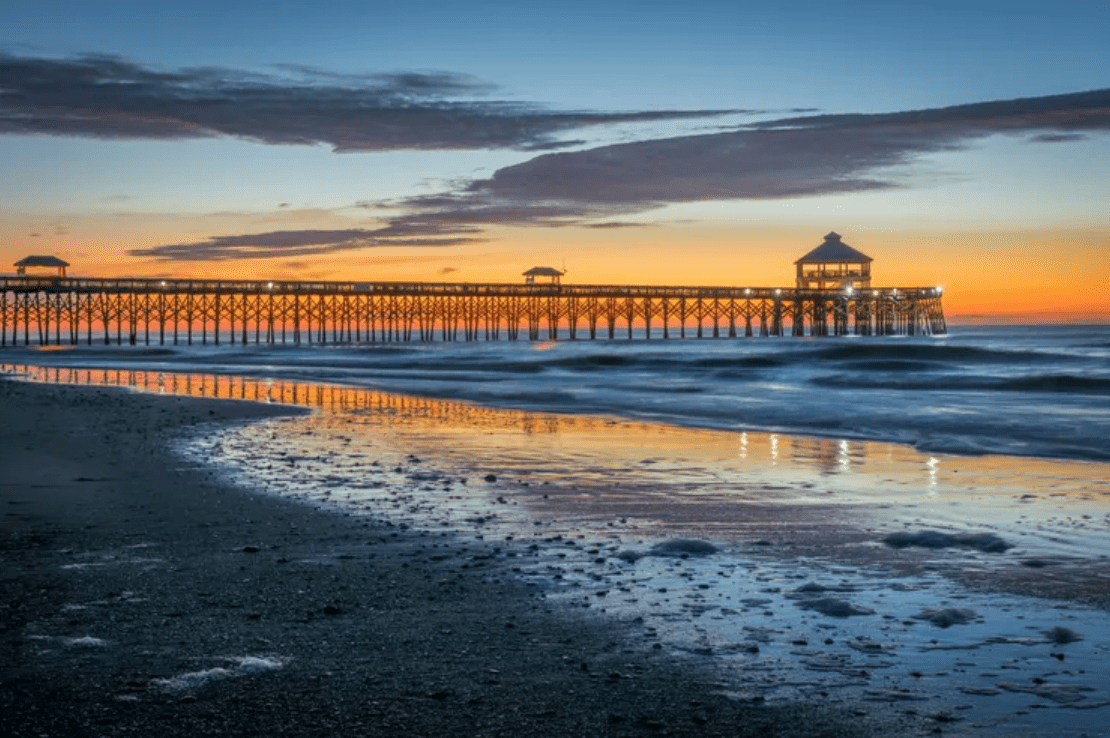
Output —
(142, 596)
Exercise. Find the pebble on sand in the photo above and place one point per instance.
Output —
(834, 607)
(1062, 635)
(947, 617)
(684, 547)
(985, 542)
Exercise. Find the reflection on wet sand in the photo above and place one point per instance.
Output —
(797, 597)
(726, 485)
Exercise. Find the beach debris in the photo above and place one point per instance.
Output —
(985, 542)
(947, 617)
(258, 665)
(1061, 635)
(490, 477)
(833, 607)
(191, 681)
(684, 547)
(194, 680)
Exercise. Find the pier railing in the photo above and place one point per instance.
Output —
(78, 310)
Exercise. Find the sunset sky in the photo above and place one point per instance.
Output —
(963, 144)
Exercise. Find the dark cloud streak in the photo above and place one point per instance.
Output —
(112, 98)
(789, 157)
(306, 242)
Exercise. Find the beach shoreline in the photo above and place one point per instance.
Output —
(144, 596)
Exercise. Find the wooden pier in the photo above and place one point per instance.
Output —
(67, 310)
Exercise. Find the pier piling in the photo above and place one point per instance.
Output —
(57, 310)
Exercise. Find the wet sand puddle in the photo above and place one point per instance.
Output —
(760, 554)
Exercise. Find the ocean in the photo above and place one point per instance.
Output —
(915, 521)
(1040, 391)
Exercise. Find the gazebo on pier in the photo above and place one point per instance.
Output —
(834, 265)
(40, 262)
(531, 274)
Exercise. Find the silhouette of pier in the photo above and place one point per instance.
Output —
(67, 310)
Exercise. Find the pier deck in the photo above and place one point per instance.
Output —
(69, 310)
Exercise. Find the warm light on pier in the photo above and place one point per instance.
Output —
(833, 297)
(45, 311)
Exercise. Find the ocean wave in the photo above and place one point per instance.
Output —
(1022, 392)
(898, 365)
(595, 361)
(113, 352)
(1065, 383)
(750, 362)
(1058, 383)
(931, 352)
(968, 445)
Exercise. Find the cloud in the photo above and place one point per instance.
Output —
(1077, 111)
(306, 242)
(1058, 137)
(789, 157)
(603, 186)
(112, 98)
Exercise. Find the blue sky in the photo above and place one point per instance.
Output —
(203, 135)
(858, 56)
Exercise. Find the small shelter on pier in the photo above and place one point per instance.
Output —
(834, 265)
(531, 274)
(40, 262)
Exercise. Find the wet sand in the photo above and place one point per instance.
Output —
(970, 591)
(143, 595)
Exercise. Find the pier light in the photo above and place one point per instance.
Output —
(833, 285)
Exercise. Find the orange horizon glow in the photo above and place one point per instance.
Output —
(988, 276)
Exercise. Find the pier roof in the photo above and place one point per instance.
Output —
(834, 251)
(543, 272)
(41, 261)
(32, 262)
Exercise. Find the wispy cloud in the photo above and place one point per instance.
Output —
(307, 242)
(788, 157)
(601, 187)
(110, 97)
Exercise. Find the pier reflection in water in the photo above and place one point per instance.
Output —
(574, 470)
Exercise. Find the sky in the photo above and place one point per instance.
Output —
(963, 144)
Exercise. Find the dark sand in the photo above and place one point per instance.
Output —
(121, 568)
